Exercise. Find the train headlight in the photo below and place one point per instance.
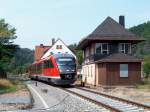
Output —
(73, 70)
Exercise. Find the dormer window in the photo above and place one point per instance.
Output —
(125, 48)
(102, 48)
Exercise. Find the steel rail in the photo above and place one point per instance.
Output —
(117, 98)
(93, 101)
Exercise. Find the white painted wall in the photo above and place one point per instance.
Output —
(89, 73)
(54, 50)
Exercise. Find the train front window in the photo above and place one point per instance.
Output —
(65, 61)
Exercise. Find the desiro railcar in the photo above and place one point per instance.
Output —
(59, 69)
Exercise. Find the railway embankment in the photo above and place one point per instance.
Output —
(14, 95)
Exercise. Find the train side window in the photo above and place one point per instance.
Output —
(45, 64)
(37, 68)
(40, 68)
(48, 64)
(33, 68)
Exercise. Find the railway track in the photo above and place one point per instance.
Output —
(119, 99)
(111, 103)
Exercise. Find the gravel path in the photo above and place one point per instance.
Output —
(58, 100)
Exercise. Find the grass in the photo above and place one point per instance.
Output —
(145, 85)
(7, 86)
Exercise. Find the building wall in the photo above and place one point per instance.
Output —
(113, 74)
(109, 74)
(89, 72)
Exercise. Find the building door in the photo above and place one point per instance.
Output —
(112, 73)
(102, 74)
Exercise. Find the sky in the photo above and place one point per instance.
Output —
(38, 21)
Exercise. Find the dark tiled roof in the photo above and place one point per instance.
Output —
(120, 57)
(110, 30)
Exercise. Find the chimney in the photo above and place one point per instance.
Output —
(41, 45)
(122, 20)
(53, 41)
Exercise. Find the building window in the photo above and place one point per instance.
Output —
(87, 52)
(123, 70)
(102, 48)
(58, 46)
(125, 48)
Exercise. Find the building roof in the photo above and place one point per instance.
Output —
(110, 30)
(39, 51)
(120, 57)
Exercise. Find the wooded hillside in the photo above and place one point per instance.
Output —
(142, 30)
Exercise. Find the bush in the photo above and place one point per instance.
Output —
(146, 69)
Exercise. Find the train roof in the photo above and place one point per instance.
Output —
(55, 56)
(62, 55)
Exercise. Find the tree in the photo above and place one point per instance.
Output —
(7, 35)
(79, 55)
(146, 69)
(23, 57)
(77, 52)
(142, 30)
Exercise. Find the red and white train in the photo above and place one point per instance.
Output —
(59, 69)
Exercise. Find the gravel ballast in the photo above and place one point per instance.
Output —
(60, 101)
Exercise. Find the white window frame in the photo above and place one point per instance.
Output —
(124, 70)
(101, 45)
(124, 50)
